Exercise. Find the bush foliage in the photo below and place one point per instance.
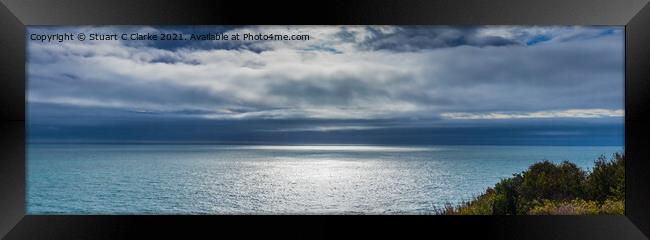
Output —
(578, 207)
(554, 189)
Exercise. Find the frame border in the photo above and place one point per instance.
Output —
(15, 15)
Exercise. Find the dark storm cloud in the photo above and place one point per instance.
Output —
(425, 37)
(338, 91)
(114, 126)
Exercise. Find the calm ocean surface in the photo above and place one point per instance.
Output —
(223, 179)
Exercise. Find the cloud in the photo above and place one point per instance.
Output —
(325, 128)
(343, 72)
(571, 113)
(426, 37)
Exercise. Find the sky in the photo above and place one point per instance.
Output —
(475, 85)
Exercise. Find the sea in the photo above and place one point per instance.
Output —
(274, 179)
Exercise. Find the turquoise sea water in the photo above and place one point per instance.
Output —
(226, 179)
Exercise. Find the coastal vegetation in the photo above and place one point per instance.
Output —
(546, 188)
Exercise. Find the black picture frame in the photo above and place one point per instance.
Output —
(15, 15)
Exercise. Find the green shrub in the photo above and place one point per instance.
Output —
(506, 199)
(607, 179)
(481, 205)
(555, 189)
(546, 180)
(543, 180)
